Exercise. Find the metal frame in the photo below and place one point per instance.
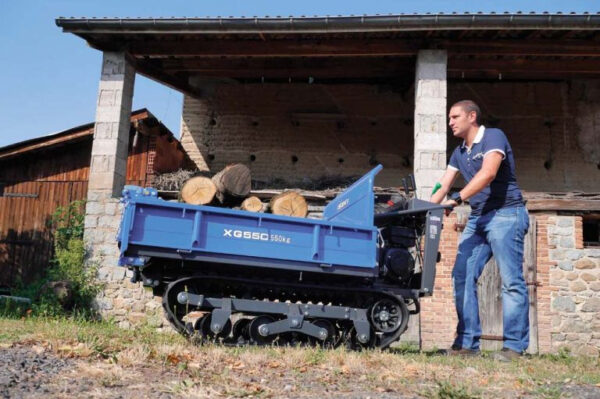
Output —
(295, 320)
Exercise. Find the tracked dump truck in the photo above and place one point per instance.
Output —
(354, 277)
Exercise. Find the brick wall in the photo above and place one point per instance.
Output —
(438, 315)
(296, 131)
(344, 129)
(545, 290)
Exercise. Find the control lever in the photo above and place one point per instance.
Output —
(405, 186)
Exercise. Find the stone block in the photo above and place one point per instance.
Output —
(136, 318)
(151, 305)
(578, 286)
(107, 249)
(430, 88)
(105, 130)
(585, 263)
(572, 276)
(595, 286)
(560, 283)
(98, 195)
(565, 265)
(563, 304)
(588, 277)
(138, 306)
(558, 337)
(563, 231)
(567, 242)
(591, 305)
(111, 208)
(573, 254)
(90, 221)
(432, 160)
(104, 273)
(109, 222)
(565, 222)
(574, 327)
(592, 253)
(94, 208)
(557, 254)
(431, 128)
(118, 273)
(104, 305)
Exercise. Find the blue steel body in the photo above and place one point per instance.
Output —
(346, 236)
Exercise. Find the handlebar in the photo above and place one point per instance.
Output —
(386, 217)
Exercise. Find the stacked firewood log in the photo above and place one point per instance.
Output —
(231, 187)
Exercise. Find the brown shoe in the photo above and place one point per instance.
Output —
(455, 351)
(507, 355)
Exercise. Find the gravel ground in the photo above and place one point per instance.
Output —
(36, 370)
(28, 372)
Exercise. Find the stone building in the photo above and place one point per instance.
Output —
(302, 97)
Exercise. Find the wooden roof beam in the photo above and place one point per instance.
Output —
(520, 65)
(274, 48)
(524, 48)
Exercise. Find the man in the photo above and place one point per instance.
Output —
(497, 226)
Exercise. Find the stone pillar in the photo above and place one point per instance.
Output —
(111, 133)
(430, 120)
(108, 167)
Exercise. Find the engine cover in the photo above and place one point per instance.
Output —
(399, 264)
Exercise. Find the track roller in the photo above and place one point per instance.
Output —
(259, 332)
(208, 331)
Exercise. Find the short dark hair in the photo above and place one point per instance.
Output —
(469, 106)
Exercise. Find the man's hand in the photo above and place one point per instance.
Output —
(446, 182)
(451, 203)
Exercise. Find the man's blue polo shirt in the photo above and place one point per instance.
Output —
(503, 191)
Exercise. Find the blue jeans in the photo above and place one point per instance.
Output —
(500, 233)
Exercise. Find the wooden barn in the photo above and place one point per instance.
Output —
(38, 175)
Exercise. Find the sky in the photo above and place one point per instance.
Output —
(49, 79)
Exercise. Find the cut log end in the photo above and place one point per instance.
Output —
(289, 203)
(198, 190)
(252, 204)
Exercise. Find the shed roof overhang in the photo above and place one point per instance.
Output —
(142, 121)
(329, 49)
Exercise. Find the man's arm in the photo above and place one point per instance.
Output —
(487, 174)
(446, 182)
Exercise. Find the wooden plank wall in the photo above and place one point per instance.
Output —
(25, 236)
(489, 289)
(48, 179)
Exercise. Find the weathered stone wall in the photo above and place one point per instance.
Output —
(575, 274)
(120, 300)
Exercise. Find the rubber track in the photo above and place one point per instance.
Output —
(355, 297)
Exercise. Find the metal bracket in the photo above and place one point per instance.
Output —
(362, 326)
(220, 316)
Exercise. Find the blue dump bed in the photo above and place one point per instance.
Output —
(343, 242)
